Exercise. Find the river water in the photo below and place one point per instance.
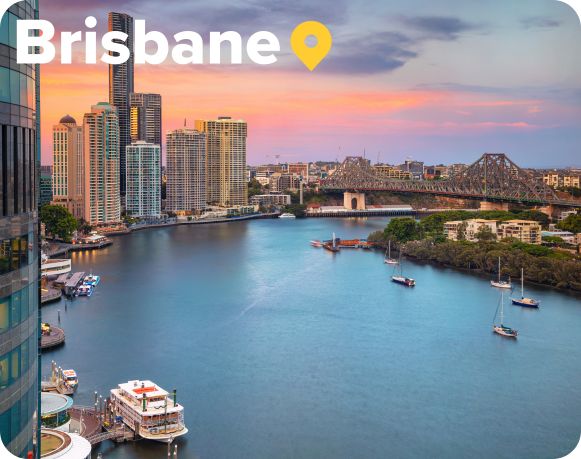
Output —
(281, 350)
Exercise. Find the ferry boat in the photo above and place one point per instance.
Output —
(92, 280)
(287, 215)
(499, 283)
(500, 328)
(70, 379)
(84, 290)
(148, 410)
(54, 267)
(524, 302)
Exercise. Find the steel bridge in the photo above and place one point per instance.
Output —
(494, 177)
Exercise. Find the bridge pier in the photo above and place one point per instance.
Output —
(354, 201)
(487, 205)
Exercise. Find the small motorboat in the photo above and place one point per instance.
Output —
(92, 280)
(85, 290)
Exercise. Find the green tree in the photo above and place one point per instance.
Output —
(403, 230)
(462, 231)
(572, 223)
(58, 221)
(485, 234)
(254, 188)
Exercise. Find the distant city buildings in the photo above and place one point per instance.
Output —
(526, 231)
(102, 204)
(283, 182)
(415, 168)
(121, 84)
(143, 194)
(562, 180)
(300, 170)
(226, 183)
(392, 172)
(274, 199)
(68, 166)
(186, 171)
(468, 229)
(45, 185)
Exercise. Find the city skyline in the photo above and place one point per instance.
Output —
(408, 86)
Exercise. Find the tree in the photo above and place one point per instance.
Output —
(254, 188)
(462, 231)
(59, 222)
(402, 230)
(572, 223)
(485, 234)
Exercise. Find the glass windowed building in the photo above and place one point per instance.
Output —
(19, 166)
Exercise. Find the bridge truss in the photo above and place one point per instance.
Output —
(494, 177)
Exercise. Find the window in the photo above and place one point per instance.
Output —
(4, 373)
(4, 315)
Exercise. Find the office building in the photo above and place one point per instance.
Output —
(45, 185)
(186, 171)
(19, 263)
(143, 197)
(68, 166)
(226, 183)
(392, 172)
(121, 83)
(102, 204)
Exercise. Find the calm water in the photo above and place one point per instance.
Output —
(280, 350)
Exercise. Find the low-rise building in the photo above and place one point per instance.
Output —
(392, 172)
(470, 228)
(567, 236)
(274, 199)
(526, 231)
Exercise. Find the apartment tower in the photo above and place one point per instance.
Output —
(68, 166)
(102, 204)
(19, 253)
(186, 171)
(226, 183)
(143, 198)
(121, 81)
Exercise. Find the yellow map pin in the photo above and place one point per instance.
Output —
(311, 56)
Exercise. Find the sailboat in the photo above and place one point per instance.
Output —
(501, 329)
(331, 246)
(525, 302)
(401, 279)
(500, 283)
(387, 257)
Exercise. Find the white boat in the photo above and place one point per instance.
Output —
(287, 215)
(499, 283)
(387, 257)
(84, 290)
(522, 301)
(71, 379)
(148, 410)
(400, 278)
(92, 280)
(54, 267)
(500, 328)
(316, 243)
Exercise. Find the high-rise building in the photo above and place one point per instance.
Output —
(143, 198)
(145, 116)
(121, 80)
(226, 183)
(19, 254)
(45, 185)
(102, 202)
(186, 171)
(68, 166)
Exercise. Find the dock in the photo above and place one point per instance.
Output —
(73, 282)
(57, 383)
(52, 339)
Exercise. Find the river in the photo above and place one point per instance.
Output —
(281, 350)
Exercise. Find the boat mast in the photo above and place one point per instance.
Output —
(498, 269)
(522, 282)
(389, 249)
(333, 240)
(501, 307)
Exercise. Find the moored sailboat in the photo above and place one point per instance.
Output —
(400, 278)
(499, 283)
(387, 257)
(524, 302)
(500, 328)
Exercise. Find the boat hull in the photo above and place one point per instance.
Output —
(501, 285)
(404, 281)
(526, 304)
(163, 438)
(390, 262)
(504, 332)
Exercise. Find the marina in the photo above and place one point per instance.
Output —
(293, 328)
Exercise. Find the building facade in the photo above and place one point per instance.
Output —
(525, 231)
(468, 229)
(68, 166)
(186, 171)
(226, 183)
(145, 118)
(274, 199)
(121, 84)
(102, 203)
(19, 260)
(45, 185)
(387, 171)
(143, 198)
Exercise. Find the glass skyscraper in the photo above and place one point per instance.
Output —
(19, 261)
(121, 80)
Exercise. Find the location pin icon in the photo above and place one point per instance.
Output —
(311, 56)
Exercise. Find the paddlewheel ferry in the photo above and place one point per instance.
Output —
(148, 410)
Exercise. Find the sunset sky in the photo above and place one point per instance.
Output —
(437, 81)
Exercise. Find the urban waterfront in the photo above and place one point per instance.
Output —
(278, 349)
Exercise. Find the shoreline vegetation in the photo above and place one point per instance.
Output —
(425, 241)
